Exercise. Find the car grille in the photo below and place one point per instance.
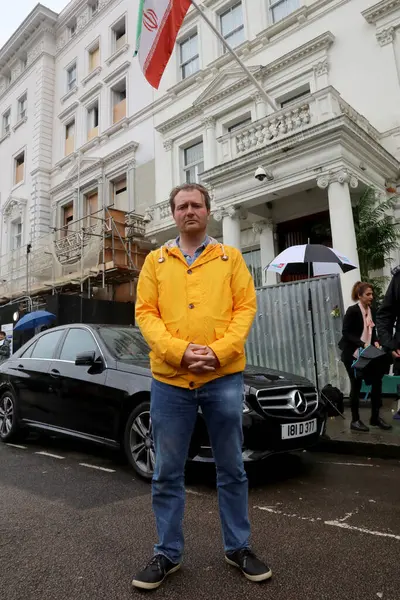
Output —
(292, 403)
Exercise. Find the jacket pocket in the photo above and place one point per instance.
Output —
(220, 332)
(162, 368)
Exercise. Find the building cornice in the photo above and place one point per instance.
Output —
(340, 129)
(79, 11)
(92, 92)
(214, 93)
(322, 42)
(380, 10)
(68, 111)
(39, 16)
(92, 164)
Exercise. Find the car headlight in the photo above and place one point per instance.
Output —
(246, 407)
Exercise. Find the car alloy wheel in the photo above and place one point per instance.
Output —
(6, 416)
(141, 444)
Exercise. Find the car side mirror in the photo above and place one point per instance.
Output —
(85, 359)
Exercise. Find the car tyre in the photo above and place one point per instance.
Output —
(138, 441)
(9, 425)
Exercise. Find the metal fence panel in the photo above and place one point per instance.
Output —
(281, 336)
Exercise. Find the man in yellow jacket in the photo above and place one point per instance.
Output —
(195, 306)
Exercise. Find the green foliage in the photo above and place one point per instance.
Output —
(377, 234)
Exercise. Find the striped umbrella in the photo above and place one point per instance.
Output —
(311, 259)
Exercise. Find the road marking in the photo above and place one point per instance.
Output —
(346, 464)
(289, 515)
(42, 453)
(97, 468)
(362, 529)
(194, 493)
(336, 523)
(17, 446)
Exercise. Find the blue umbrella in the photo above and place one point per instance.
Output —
(34, 319)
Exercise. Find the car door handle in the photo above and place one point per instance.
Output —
(54, 373)
(20, 367)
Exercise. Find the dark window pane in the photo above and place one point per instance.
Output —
(28, 351)
(125, 343)
(46, 345)
(76, 342)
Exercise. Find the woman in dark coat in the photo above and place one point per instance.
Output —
(359, 331)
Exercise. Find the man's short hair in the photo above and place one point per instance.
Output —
(189, 187)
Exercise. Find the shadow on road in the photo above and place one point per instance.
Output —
(269, 472)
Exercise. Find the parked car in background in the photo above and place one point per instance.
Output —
(93, 382)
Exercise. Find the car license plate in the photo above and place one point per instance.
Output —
(295, 430)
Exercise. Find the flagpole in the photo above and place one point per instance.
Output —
(263, 93)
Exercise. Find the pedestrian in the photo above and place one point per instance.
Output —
(195, 306)
(5, 348)
(388, 323)
(359, 332)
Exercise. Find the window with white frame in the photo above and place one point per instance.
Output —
(94, 7)
(118, 92)
(280, 9)
(239, 124)
(193, 162)
(6, 122)
(120, 193)
(71, 77)
(189, 56)
(294, 95)
(253, 262)
(19, 169)
(16, 235)
(119, 34)
(94, 57)
(69, 145)
(72, 27)
(22, 105)
(232, 24)
(93, 120)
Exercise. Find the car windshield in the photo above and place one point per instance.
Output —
(125, 343)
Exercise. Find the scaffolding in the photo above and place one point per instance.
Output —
(104, 248)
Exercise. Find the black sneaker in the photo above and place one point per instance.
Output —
(251, 566)
(155, 572)
(379, 422)
(359, 426)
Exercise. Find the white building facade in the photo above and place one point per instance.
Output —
(85, 140)
(76, 148)
(332, 68)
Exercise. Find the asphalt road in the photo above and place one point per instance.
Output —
(329, 527)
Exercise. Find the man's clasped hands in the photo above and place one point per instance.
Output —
(199, 359)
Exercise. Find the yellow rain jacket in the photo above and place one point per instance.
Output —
(212, 303)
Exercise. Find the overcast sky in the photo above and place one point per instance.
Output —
(11, 18)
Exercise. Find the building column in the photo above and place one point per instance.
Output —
(100, 195)
(231, 229)
(130, 181)
(210, 146)
(168, 147)
(261, 106)
(267, 249)
(342, 223)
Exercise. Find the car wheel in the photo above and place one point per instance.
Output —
(8, 417)
(138, 441)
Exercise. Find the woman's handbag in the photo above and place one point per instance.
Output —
(372, 364)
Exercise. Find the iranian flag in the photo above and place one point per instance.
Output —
(158, 25)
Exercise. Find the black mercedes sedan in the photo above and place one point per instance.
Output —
(93, 382)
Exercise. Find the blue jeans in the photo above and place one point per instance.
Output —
(173, 416)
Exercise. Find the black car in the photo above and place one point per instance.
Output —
(93, 382)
